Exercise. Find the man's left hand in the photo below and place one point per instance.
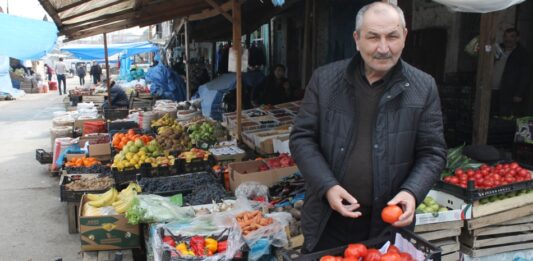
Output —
(407, 202)
(517, 99)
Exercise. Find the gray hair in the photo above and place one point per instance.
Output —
(362, 11)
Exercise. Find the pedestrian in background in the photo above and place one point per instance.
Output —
(81, 73)
(96, 72)
(61, 71)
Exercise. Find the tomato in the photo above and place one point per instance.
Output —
(488, 183)
(510, 179)
(405, 257)
(350, 259)
(328, 258)
(355, 251)
(514, 165)
(524, 173)
(391, 214)
(393, 249)
(390, 257)
(372, 255)
(454, 180)
(458, 172)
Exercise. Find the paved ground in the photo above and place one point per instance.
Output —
(33, 222)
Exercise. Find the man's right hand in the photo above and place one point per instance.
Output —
(336, 196)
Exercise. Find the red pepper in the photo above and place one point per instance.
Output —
(197, 244)
(222, 246)
(169, 240)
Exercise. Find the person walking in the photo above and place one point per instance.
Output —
(96, 72)
(81, 73)
(61, 71)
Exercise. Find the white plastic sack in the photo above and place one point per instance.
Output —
(478, 6)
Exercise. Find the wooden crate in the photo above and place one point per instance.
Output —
(499, 218)
(509, 235)
(96, 99)
(72, 217)
(127, 255)
(444, 235)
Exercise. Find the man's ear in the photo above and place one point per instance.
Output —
(356, 38)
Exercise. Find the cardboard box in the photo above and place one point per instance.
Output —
(241, 172)
(94, 138)
(458, 212)
(106, 232)
(101, 152)
(74, 156)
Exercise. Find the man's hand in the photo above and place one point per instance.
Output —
(336, 196)
(517, 99)
(407, 202)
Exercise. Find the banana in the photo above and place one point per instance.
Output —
(106, 199)
(93, 197)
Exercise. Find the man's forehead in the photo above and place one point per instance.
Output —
(382, 29)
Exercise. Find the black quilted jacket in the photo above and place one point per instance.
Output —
(409, 151)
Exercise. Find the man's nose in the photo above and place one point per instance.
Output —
(383, 46)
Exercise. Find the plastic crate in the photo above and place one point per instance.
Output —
(129, 175)
(196, 165)
(122, 125)
(471, 194)
(96, 169)
(115, 114)
(74, 196)
(43, 157)
(431, 251)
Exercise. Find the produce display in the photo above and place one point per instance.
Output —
(177, 184)
(82, 162)
(429, 205)
(390, 214)
(173, 138)
(196, 246)
(361, 252)
(283, 161)
(134, 154)
(202, 133)
(250, 221)
(80, 183)
(166, 120)
(97, 168)
(194, 153)
(120, 140)
(156, 209)
(489, 177)
(206, 193)
(505, 196)
(457, 160)
(119, 201)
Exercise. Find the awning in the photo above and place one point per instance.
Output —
(77, 19)
(26, 39)
(479, 6)
(96, 52)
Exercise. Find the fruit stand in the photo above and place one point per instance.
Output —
(179, 181)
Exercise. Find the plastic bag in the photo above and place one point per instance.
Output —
(65, 120)
(472, 48)
(252, 191)
(155, 209)
(220, 227)
(60, 145)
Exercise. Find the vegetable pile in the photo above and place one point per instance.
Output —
(250, 221)
(82, 162)
(121, 139)
(489, 177)
(356, 252)
(90, 183)
(196, 246)
(283, 161)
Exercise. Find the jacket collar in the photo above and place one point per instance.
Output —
(356, 66)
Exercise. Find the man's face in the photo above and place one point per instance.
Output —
(381, 38)
(510, 39)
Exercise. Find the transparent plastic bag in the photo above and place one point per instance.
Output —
(220, 227)
(155, 209)
(252, 191)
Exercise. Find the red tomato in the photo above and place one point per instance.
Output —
(393, 249)
(524, 173)
(514, 165)
(390, 257)
(458, 172)
(454, 180)
(391, 214)
(169, 240)
(339, 258)
(350, 259)
(355, 251)
(372, 255)
(328, 258)
(405, 257)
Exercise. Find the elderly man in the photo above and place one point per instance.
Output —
(369, 133)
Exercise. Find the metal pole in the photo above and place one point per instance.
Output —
(107, 71)
(187, 60)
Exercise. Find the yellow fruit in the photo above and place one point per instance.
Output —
(137, 166)
(129, 156)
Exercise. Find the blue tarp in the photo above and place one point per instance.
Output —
(26, 39)
(96, 52)
(166, 83)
